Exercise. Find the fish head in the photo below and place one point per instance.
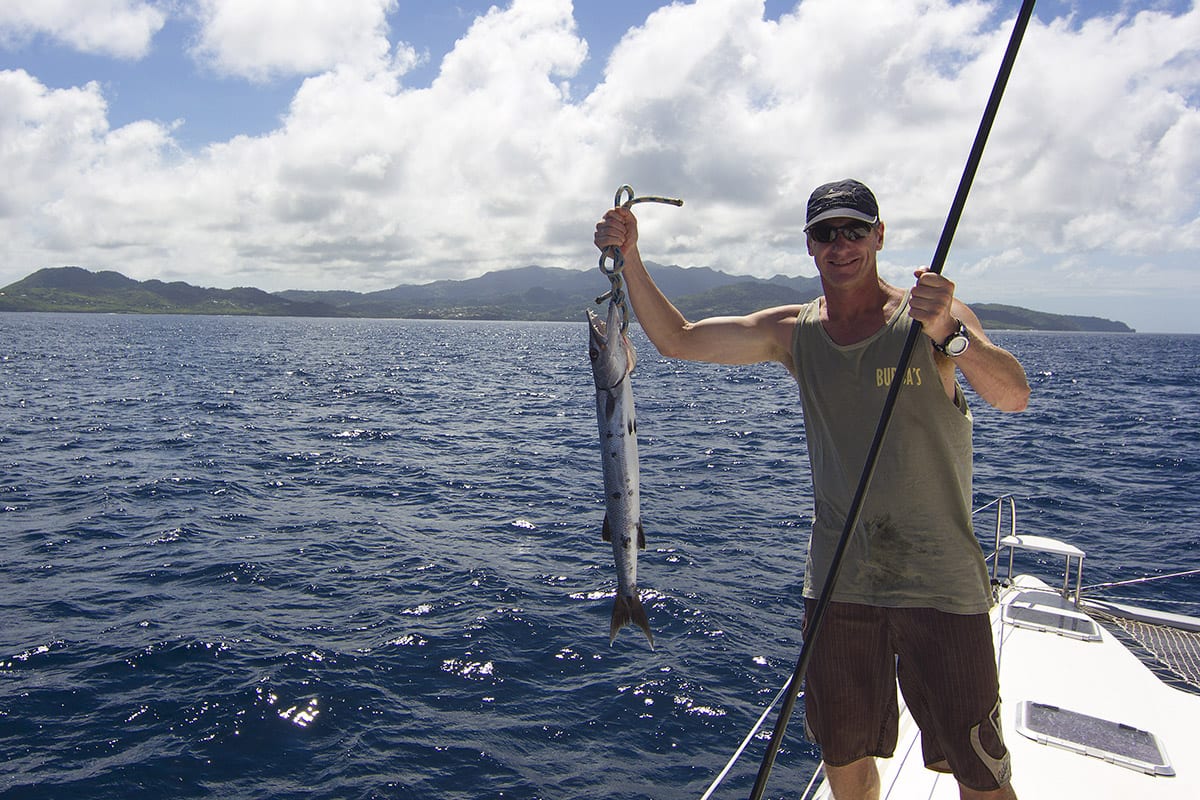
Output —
(611, 354)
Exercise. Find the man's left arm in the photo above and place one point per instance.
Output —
(993, 372)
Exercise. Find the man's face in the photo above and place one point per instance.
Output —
(844, 249)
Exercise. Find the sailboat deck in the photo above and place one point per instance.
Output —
(1094, 677)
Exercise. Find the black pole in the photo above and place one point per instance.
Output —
(939, 261)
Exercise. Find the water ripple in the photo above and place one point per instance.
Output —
(362, 558)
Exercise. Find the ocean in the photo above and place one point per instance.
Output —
(317, 558)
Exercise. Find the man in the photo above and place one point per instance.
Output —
(912, 597)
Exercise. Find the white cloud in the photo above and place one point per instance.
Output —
(459, 174)
(121, 28)
(263, 39)
(368, 183)
(47, 135)
(1101, 126)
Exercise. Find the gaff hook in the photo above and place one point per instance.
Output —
(617, 293)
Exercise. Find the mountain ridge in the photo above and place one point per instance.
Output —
(529, 293)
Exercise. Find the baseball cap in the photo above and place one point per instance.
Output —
(845, 198)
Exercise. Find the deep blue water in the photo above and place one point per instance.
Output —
(249, 558)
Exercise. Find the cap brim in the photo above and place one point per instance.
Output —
(841, 213)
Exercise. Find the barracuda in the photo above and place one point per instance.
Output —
(613, 359)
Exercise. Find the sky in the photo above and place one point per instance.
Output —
(364, 144)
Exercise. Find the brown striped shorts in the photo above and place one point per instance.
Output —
(946, 667)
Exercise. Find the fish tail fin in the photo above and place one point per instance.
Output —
(628, 609)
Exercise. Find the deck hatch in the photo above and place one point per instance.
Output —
(1114, 742)
(1045, 619)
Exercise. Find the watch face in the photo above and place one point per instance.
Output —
(957, 345)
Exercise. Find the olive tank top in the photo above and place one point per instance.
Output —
(914, 545)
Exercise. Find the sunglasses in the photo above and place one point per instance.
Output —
(825, 233)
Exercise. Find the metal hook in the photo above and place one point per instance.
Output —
(613, 273)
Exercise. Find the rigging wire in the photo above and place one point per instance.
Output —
(712, 787)
(1156, 600)
(1147, 579)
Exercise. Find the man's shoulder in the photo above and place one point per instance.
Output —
(787, 318)
(780, 322)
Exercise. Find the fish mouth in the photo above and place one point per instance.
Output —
(606, 338)
(599, 327)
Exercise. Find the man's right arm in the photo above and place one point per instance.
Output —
(762, 336)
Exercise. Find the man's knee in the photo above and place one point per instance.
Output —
(858, 780)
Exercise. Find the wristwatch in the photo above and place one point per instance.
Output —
(956, 343)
